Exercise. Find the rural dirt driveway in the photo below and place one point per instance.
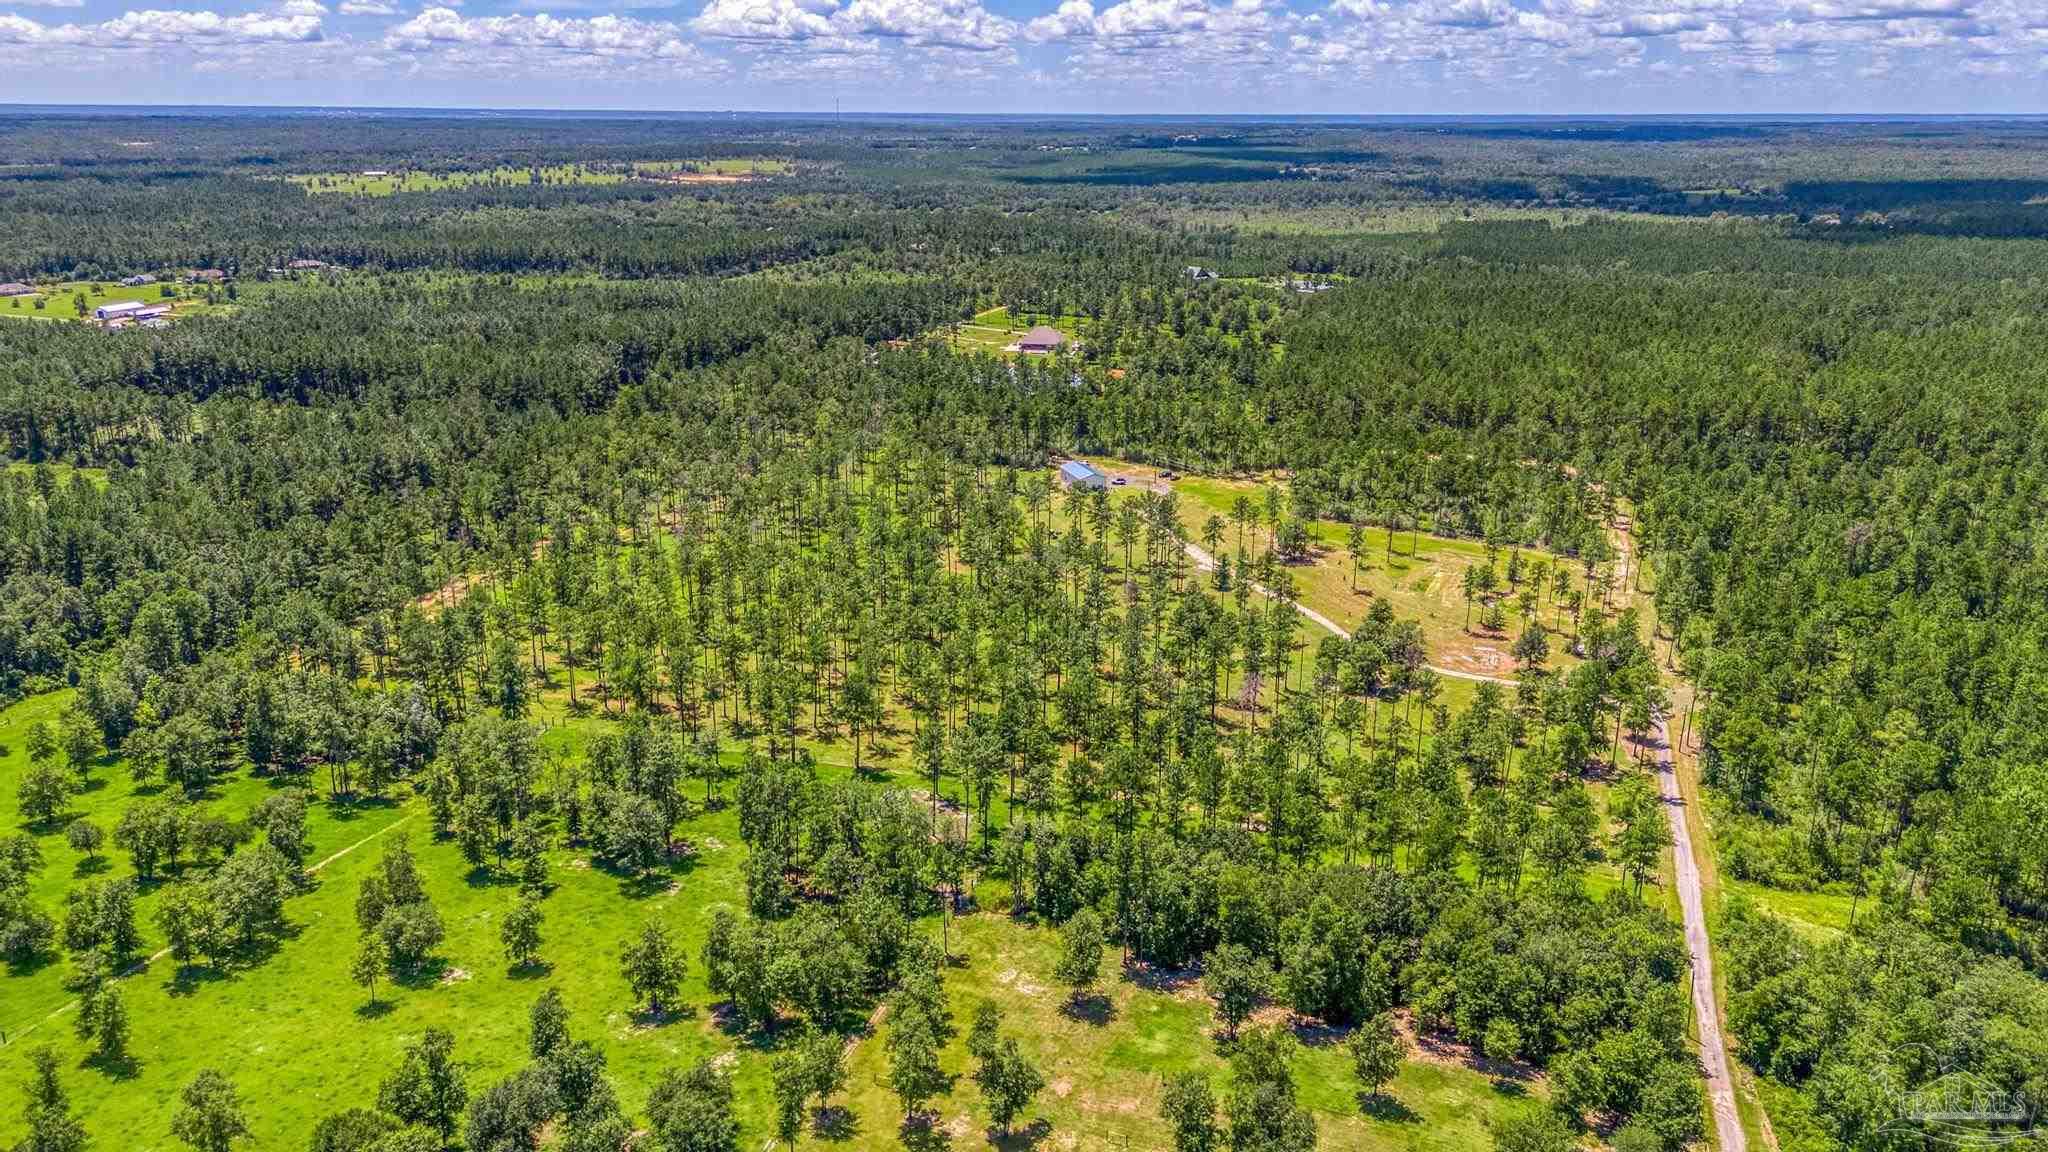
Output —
(1713, 1050)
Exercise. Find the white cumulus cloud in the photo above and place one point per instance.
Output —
(440, 29)
(156, 28)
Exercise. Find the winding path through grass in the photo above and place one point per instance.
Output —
(1686, 875)
(1207, 563)
(160, 953)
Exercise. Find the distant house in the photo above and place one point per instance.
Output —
(137, 281)
(12, 289)
(1041, 340)
(1308, 287)
(1075, 474)
(1197, 272)
(120, 310)
(306, 265)
(374, 173)
(208, 276)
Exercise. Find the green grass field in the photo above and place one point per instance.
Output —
(60, 471)
(397, 180)
(993, 330)
(302, 1040)
(404, 180)
(722, 166)
(59, 300)
(1422, 579)
(1104, 1069)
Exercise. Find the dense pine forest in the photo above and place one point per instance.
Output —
(607, 657)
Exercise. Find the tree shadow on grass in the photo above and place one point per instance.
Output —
(356, 807)
(1310, 1033)
(187, 979)
(835, 1123)
(761, 1037)
(643, 1019)
(122, 1067)
(375, 1010)
(924, 1133)
(91, 866)
(1089, 1008)
(531, 970)
(1387, 1107)
(637, 885)
(425, 974)
(1154, 978)
(488, 876)
(1022, 1139)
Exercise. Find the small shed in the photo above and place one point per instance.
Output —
(1077, 474)
(13, 289)
(1041, 339)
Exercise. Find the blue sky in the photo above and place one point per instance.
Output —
(1090, 56)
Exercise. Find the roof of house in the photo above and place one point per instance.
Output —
(117, 307)
(1078, 470)
(1045, 336)
(13, 289)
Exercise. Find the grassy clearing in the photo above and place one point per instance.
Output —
(297, 1035)
(301, 1040)
(379, 183)
(60, 300)
(1818, 913)
(994, 330)
(395, 181)
(723, 166)
(60, 473)
(1421, 577)
(1105, 1065)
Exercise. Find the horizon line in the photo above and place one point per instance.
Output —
(510, 111)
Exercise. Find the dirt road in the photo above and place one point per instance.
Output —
(1713, 1049)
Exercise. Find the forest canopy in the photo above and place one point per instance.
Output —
(689, 558)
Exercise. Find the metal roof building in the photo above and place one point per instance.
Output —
(1075, 474)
